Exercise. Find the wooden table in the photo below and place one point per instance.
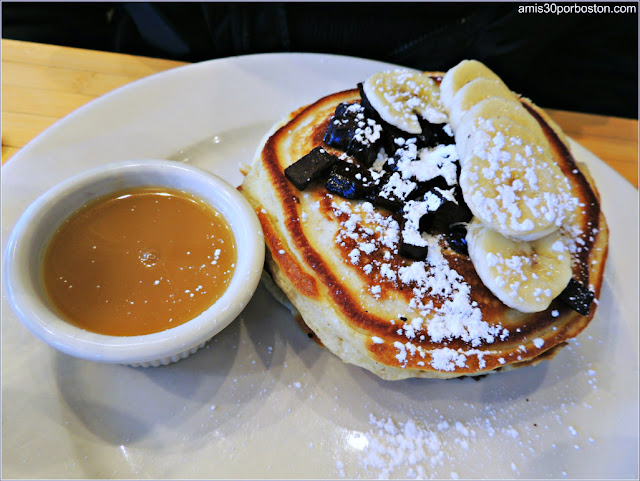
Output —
(43, 83)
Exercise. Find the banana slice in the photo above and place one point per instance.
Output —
(474, 92)
(491, 131)
(399, 96)
(510, 182)
(458, 76)
(525, 276)
(491, 108)
(552, 123)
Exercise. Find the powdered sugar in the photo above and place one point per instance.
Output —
(447, 359)
(397, 187)
(454, 316)
(512, 183)
(428, 163)
(471, 439)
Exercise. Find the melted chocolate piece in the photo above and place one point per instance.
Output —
(346, 131)
(351, 181)
(428, 137)
(311, 166)
(577, 296)
(443, 216)
(364, 101)
(388, 198)
(363, 152)
(416, 253)
(451, 213)
(429, 186)
(394, 204)
(433, 134)
(362, 148)
(457, 238)
(341, 128)
(401, 153)
(443, 138)
(410, 251)
(342, 110)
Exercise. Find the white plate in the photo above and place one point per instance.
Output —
(262, 400)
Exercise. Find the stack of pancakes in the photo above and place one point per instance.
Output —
(337, 262)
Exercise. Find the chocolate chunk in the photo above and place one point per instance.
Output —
(353, 131)
(311, 166)
(426, 222)
(428, 136)
(577, 296)
(409, 250)
(428, 205)
(390, 165)
(364, 101)
(416, 253)
(394, 192)
(431, 185)
(451, 213)
(365, 143)
(342, 111)
(393, 204)
(393, 138)
(457, 238)
(351, 181)
(379, 180)
(431, 168)
(363, 151)
(446, 214)
(443, 137)
(339, 133)
(438, 182)
(342, 127)
(433, 134)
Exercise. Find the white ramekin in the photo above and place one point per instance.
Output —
(39, 221)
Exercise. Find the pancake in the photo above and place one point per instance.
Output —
(337, 262)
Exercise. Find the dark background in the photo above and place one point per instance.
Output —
(580, 62)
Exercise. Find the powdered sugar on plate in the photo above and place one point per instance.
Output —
(470, 439)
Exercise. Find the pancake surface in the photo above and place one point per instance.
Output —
(337, 261)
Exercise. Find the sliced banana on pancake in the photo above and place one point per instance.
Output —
(474, 92)
(491, 108)
(400, 96)
(510, 182)
(458, 76)
(525, 276)
(550, 122)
